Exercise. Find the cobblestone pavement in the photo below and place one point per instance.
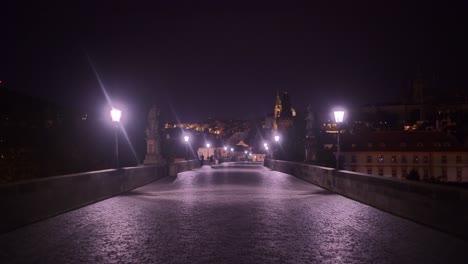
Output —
(229, 215)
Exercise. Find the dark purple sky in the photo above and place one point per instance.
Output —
(228, 60)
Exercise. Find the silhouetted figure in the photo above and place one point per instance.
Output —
(202, 158)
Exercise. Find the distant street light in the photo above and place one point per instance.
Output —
(339, 117)
(225, 151)
(186, 139)
(208, 149)
(115, 115)
(266, 147)
(277, 138)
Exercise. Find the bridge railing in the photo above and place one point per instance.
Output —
(442, 207)
(29, 201)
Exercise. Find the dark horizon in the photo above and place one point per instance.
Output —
(228, 61)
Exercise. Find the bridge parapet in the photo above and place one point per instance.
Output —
(30, 201)
(442, 207)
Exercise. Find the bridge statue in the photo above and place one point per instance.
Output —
(311, 140)
(310, 122)
(153, 145)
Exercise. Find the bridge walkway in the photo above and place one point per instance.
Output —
(229, 214)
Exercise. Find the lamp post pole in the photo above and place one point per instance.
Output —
(117, 145)
(266, 148)
(277, 138)
(339, 116)
(115, 115)
(208, 150)
(338, 150)
(186, 139)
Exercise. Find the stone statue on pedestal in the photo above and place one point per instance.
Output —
(311, 141)
(153, 145)
(310, 122)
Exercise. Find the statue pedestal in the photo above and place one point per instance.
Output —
(153, 160)
(311, 149)
(153, 155)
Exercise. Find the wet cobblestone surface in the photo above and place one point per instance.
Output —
(229, 215)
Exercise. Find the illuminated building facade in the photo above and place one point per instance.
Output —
(429, 155)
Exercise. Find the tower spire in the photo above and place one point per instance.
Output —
(277, 110)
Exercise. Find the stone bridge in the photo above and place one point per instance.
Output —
(230, 213)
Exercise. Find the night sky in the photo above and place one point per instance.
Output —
(228, 59)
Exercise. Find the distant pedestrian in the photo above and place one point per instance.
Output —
(202, 158)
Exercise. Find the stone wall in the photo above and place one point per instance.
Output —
(441, 207)
(177, 167)
(30, 201)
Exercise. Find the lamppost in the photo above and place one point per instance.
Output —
(266, 147)
(208, 149)
(277, 138)
(186, 139)
(115, 115)
(225, 151)
(339, 116)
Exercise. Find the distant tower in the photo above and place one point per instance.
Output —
(277, 111)
(286, 107)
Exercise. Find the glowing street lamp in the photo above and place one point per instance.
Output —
(186, 140)
(266, 147)
(277, 138)
(208, 149)
(115, 115)
(339, 117)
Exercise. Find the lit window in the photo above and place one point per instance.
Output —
(381, 159)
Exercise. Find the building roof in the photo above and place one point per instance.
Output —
(400, 141)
